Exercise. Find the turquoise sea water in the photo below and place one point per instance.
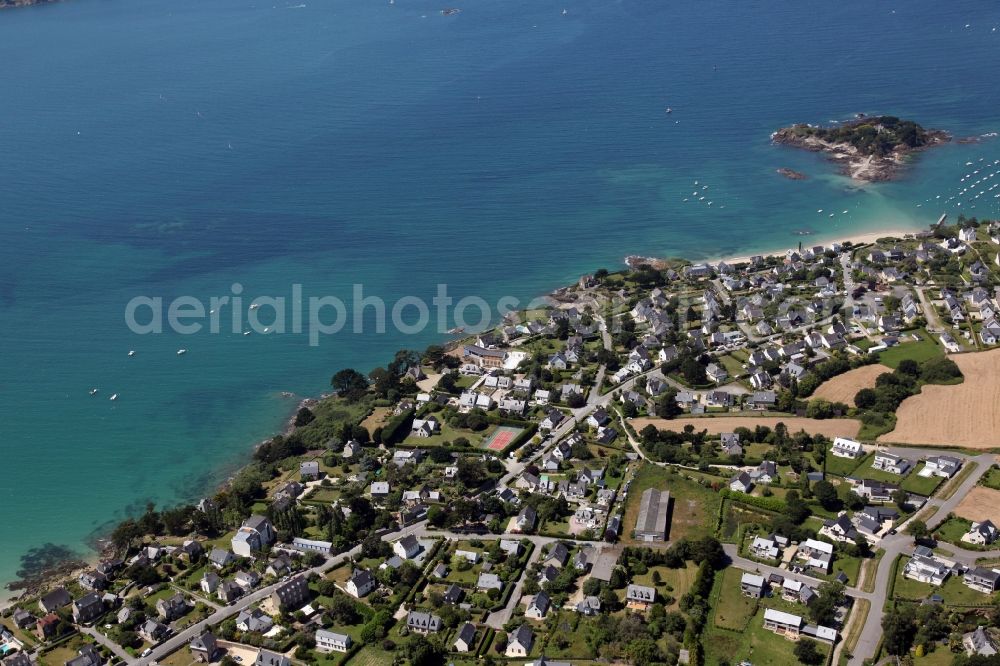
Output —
(170, 148)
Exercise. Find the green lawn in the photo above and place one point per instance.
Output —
(850, 566)
(954, 591)
(448, 434)
(63, 653)
(372, 655)
(952, 530)
(866, 471)
(756, 645)
(324, 494)
(927, 348)
(673, 582)
(941, 656)
(734, 515)
(734, 610)
(992, 478)
(28, 639)
(732, 366)
(921, 485)
(756, 451)
(695, 507)
(847, 466)
(569, 639)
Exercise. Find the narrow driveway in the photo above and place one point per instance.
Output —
(118, 650)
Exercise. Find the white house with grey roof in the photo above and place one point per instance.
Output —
(360, 584)
(979, 642)
(981, 533)
(407, 547)
(847, 448)
(255, 534)
(330, 641)
(520, 641)
(465, 639)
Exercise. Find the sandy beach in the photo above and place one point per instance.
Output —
(810, 240)
(821, 239)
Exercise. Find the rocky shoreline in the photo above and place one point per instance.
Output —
(791, 174)
(860, 165)
(14, 4)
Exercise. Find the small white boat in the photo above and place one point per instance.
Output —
(113, 397)
(669, 110)
(93, 391)
(131, 353)
(254, 306)
(181, 352)
(246, 332)
(566, 11)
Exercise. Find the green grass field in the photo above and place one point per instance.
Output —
(756, 645)
(569, 639)
(732, 365)
(849, 566)
(941, 656)
(952, 530)
(63, 653)
(673, 582)
(695, 507)
(866, 471)
(927, 348)
(733, 610)
(847, 466)
(448, 434)
(371, 655)
(954, 591)
(992, 478)
(921, 485)
(734, 515)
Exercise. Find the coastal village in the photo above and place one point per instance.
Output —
(788, 459)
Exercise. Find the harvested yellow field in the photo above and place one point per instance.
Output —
(843, 388)
(828, 427)
(963, 415)
(980, 504)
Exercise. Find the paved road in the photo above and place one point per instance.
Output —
(182, 638)
(871, 634)
(934, 324)
(498, 619)
(895, 545)
(732, 550)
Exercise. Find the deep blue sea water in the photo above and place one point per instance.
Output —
(170, 148)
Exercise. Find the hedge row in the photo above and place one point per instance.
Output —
(774, 504)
